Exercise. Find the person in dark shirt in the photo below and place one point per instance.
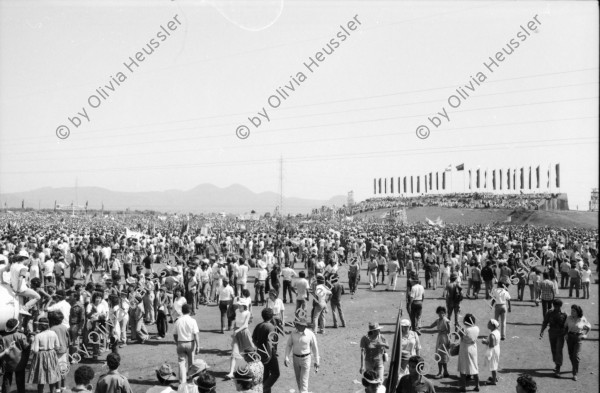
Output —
(265, 338)
(555, 320)
(113, 382)
(337, 290)
(414, 382)
(14, 353)
(76, 320)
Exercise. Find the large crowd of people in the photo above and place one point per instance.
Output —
(471, 200)
(82, 286)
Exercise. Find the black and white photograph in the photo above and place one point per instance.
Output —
(299, 196)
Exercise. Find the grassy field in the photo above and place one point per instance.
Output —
(522, 352)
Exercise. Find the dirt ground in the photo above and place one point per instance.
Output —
(522, 352)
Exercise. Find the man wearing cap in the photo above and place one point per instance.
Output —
(17, 349)
(337, 290)
(187, 339)
(321, 296)
(303, 345)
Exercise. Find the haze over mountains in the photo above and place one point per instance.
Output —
(205, 198)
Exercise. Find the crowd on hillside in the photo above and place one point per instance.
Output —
(458, 200)
(85, 285)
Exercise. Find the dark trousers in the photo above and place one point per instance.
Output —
(564, 280)
(546, 305)
(287, 289)
(259, 291)
(416, 308)
(574, 284)
(574, 348)
(190, 297)
(557, 343)
(352, 282)
(271, 373)
(451, 307)
(19, 379)
(161, 323)
(127, 270)
(380, 269)
(223, 309)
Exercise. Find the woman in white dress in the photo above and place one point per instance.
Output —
(467, 356)
(492, 354)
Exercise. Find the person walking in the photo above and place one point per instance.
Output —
(44, 362)
(574, 280)
(337, 290)
(577, 328)
(501, 302)
(548, 290)
(393, 267)
(302, 344)
(321, 296)
(267, 348)
(565, 266)
(225, 300)
(467, 356)
(453, 292)
(373, 348)
(415, 305)
(555, 321)
(586, 275)
(353, 274)
(187, 340)
(287, 273)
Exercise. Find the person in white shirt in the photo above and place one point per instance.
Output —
(18, 282)
(187, 339)
(225, 300)
(287, 273)
(302, 344)
(242, 276)
(415, 305)
(500, 300)
(63, 306)
(301, 288)
(48, 270)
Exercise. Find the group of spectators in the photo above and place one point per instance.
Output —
(88, 285)
(474, 200)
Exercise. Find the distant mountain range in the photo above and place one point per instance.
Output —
(205, 198)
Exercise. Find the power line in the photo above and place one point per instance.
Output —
(323, 103)
(376, 154)
(295, 142)
(353, 122)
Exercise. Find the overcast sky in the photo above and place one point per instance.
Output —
(171, 121)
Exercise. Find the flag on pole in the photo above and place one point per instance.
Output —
(425, 185)
(548, 185)
(405, 184)
(437, 181)
(391, 185)
(537, 177)
(485, 178)
(55, 205)
(411, 185)
(430, 181)
(514, 179)
(444, 180)
(477, 179)
(522, 178)
(530, 178)
(469, 179)
(448, 169)
(418, 184)
(500, 178)
(380, 185)
(374, 186)
(508, 178)
(23, 204)
(557, 175)
(460, 167)
(385, 185)
(493, 179)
